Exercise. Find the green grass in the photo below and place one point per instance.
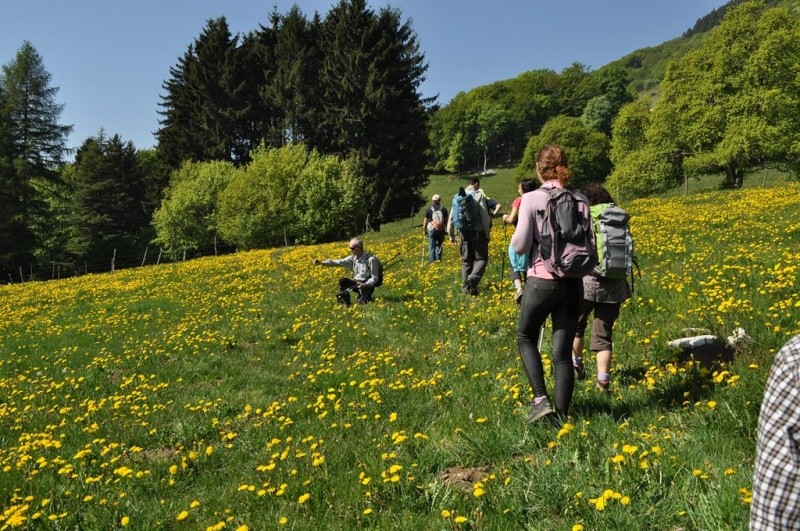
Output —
(227, 389)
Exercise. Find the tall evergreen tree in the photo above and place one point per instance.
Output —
(176, 137)
(370, 75)
(204, 103)
(32, 147)
(107, 209)
(290, 87)
(256, 60)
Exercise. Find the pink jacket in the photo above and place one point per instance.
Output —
(529, 228)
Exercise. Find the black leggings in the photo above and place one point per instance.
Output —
(559, 299)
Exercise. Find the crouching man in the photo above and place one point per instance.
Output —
(366, 273)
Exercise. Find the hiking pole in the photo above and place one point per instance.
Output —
(424, 245)
(541, 336)
(503, 253)
(393, 261)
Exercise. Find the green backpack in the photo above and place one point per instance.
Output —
(614, 242)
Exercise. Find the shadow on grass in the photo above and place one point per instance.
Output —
(405, 297)
(600, 404)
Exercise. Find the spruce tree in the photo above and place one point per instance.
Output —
(32, 148)
(370, 76)
(290, 87)
(204, 101)
(107, 207)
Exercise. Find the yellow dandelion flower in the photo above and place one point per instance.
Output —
(629, 449)
(124, 521)
(460, 519)
(367, 511)
(283, 520)
(182, 515)
(303, 498)
(446, 513)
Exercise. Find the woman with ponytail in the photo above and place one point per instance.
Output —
(546, 295)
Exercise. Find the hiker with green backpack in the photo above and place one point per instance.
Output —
(607, 287)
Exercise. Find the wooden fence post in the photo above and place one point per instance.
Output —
(113, 260)
(158, 260)
(145, 255)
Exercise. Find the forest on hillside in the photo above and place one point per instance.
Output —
(250, 157)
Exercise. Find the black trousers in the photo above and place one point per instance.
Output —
(560, 300)
(345, 284)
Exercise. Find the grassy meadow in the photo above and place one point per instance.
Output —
(234, 392)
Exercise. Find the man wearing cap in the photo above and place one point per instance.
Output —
(434, 226)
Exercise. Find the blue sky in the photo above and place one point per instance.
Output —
(109, 58)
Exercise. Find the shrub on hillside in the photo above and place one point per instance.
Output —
(186, 218)
(291, 192)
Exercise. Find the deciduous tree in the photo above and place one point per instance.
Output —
(187, 217)
(730, 106)
(586, 149)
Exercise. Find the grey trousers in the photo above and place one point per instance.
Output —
(474, 257)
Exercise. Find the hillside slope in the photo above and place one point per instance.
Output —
(235, 392)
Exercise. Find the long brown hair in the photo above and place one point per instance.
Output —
(551, 163)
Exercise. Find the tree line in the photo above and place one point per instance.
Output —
(283, 131)
(345, 86)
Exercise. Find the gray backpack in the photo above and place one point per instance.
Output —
(567, 247)
(614, 241)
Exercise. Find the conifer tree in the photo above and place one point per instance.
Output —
(291, 86)
(106, 210)
(370, 76)
(204, 101)
(32, 148)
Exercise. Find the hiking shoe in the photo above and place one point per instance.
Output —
(540, 410)
(518, 295)
(603, 386)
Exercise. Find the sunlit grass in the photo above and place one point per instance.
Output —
(234, 391)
